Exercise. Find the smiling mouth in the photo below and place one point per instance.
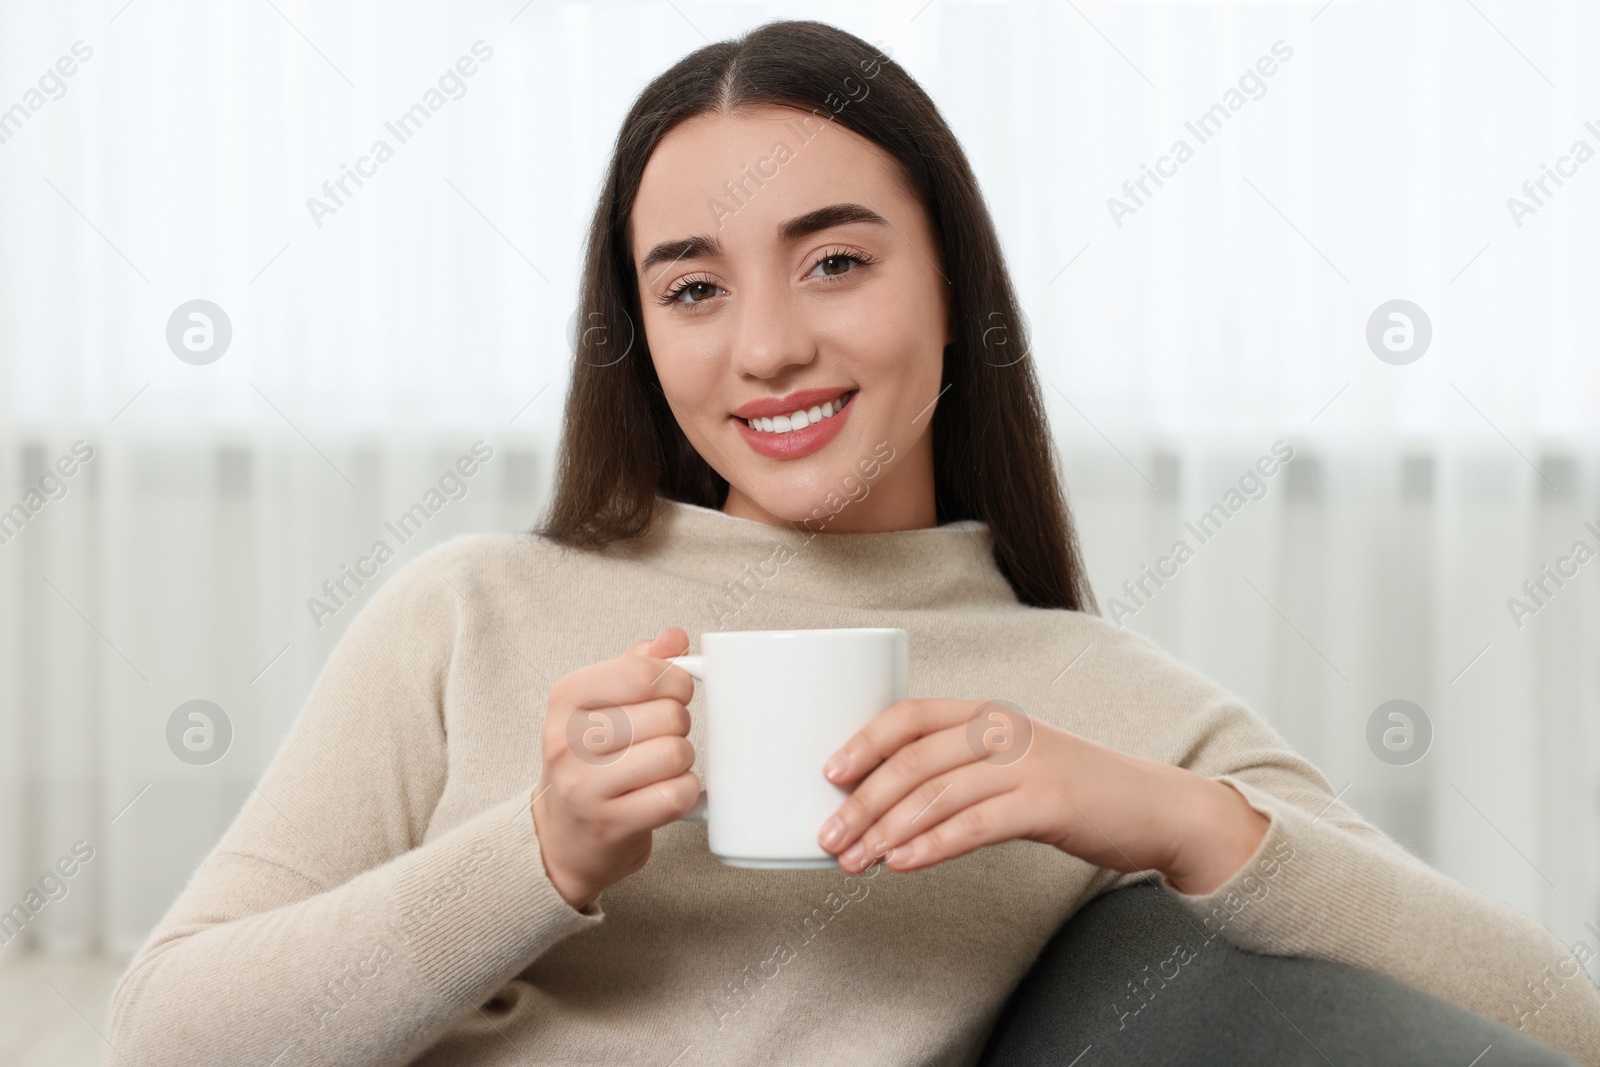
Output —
(800, 418)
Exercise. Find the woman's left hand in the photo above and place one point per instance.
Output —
(935, 779)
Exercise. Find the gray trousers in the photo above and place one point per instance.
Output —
(1133, 979)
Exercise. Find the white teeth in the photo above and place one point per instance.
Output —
(798, 420)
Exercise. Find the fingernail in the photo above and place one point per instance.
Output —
(853, 856)
(836, 766)
(832, 832)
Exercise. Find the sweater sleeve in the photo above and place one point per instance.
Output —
(319, 930)
(1325, 884)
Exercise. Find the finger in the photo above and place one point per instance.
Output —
(631, 678)
(594, 734)
(661, 668)
(658, 718)
(653, 760)
(658, 804)
(889, 730)
(672, 641)
(929, 804)
(988, 822)
(892, 780)
(638, 647)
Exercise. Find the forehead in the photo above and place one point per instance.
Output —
(739, 174)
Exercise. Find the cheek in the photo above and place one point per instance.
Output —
(898, 341)
(666, 358)
(683, 361)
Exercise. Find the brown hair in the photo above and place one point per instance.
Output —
(993, 457)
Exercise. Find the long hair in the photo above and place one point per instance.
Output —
(994, 460)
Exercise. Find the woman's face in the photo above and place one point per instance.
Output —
(796, 316)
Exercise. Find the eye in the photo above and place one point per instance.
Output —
(690, 291)
(835, 263)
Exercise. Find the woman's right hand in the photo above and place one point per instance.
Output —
(616, 766)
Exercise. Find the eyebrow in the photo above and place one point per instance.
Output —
(703, 246)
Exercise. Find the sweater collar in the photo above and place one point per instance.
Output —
(939, 567)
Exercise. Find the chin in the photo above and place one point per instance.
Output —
(787, 501)
(840, 480)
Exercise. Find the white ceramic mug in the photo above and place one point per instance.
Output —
(778, 703)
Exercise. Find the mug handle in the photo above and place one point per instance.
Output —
(696, 667)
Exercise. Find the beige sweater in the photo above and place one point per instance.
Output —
(381, 898)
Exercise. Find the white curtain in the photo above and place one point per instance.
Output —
(1180, 333)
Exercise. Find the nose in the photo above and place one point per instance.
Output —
(771, 336)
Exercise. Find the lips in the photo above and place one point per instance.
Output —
(796, 425)
(803, 400)
(799, 417)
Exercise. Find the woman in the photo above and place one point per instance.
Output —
(815, 425)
